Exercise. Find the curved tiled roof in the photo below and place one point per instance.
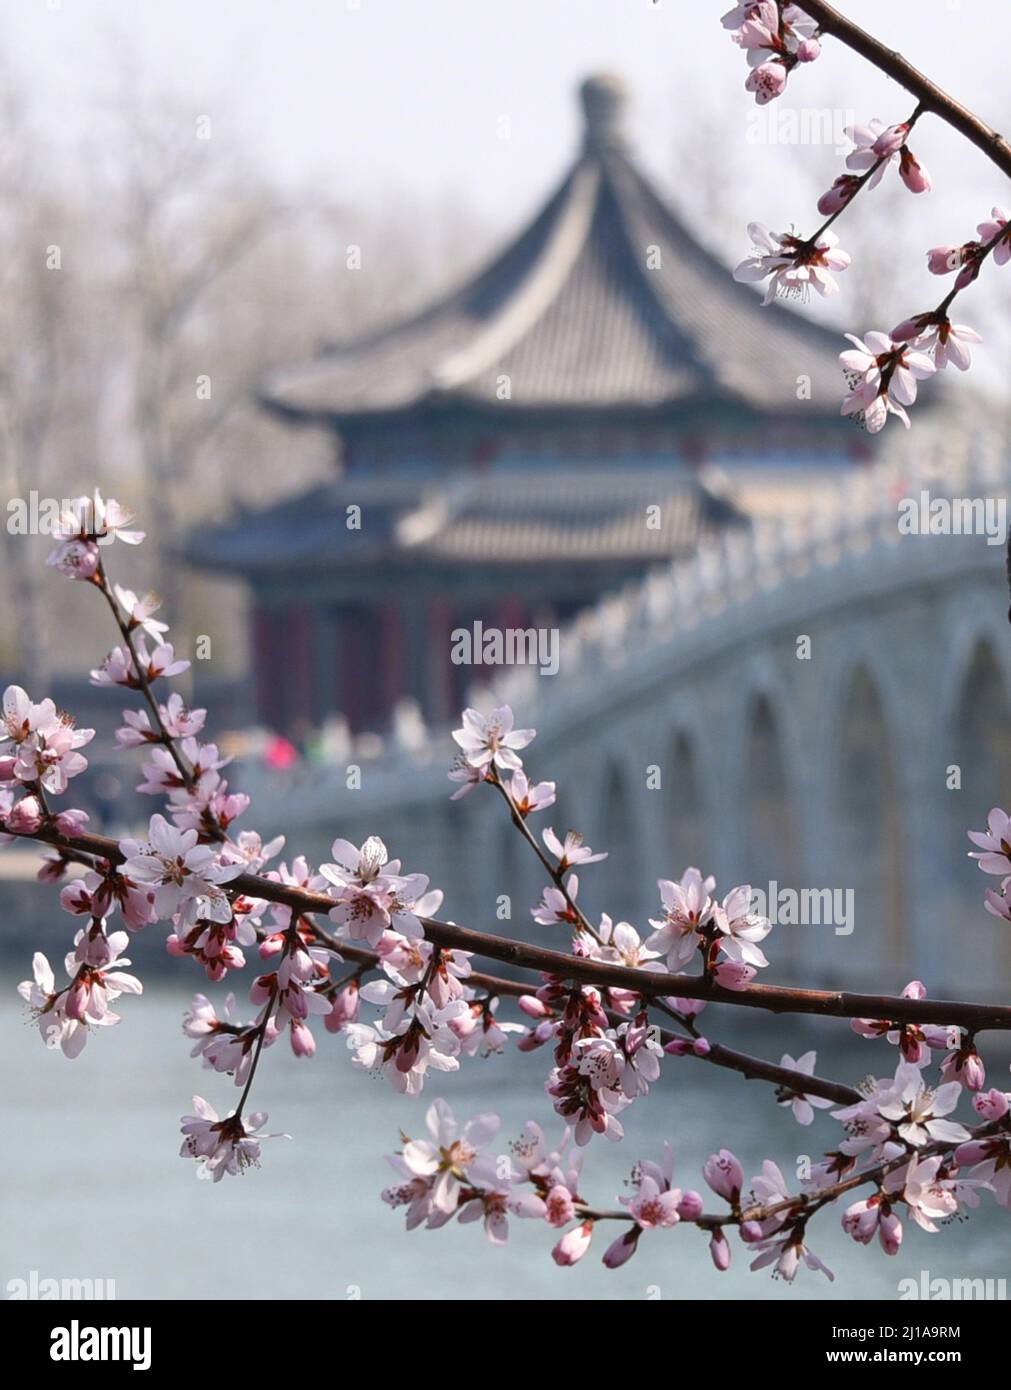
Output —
(559, 517)
(604, 301)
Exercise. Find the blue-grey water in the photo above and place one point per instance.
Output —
(94, 1188)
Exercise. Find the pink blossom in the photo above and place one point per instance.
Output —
(222, 1146)
(554, 905)
(185, 875)
(883, 377)
(995, 842)
(97, 519)
(572, 852)
(739, 929)
(140, 611)
(573, 1245)
(927, 1195)
(917, 1111)
(803, 1106)
(873, 145)
(450, 1153)
(998, 225)
(791, 264)
(48, 1007)
(469, 776)
(787, 1254)
(890, 141)
(989, 1160)
(687, 908)
(528, 797)
(75, 558)
(490, 739)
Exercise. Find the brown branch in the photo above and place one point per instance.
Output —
(932, 97)
(797, 1083)
(774, 998)
(751, 1068)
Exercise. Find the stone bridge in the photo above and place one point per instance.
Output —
(821, 703)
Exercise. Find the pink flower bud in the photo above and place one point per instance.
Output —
(993, 1105)
(973, 1076)
(303, 1044)
(890, 1233)
(26, 816)
(767, 82)
(890, 141)
(345, 1008)
(678, 1047)
(71, 821)
(75, 898)
(734, 974)
(808, 50)
(724, 1175)
(690, 1206)
(77, 1000)
(751, 1231)
(913, 174)
(688, 1007)
(532, 1006)
(976, 1151)
(560, 1206)
(622, 1249)
(719, 1250)
(702, 1047)
(271, 945)
(942, 260)
(573, 1245)
(838, 195)
(910, 329)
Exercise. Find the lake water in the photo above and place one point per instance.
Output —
(93, 1185)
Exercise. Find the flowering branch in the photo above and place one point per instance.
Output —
(592, 1006)
(882, 369)
(778, 999)
(930, 96)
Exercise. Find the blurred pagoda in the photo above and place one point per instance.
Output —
(502, 449)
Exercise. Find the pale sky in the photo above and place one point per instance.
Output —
(374, 99)
(388, 93)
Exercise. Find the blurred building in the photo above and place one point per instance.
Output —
(598, 401)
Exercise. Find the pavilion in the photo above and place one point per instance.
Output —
(588, 407)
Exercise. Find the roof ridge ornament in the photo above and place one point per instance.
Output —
(603, 97)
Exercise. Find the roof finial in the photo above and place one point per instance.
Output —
(603, 98)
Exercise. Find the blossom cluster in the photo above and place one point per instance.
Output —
(776, 37)
(882, 369)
